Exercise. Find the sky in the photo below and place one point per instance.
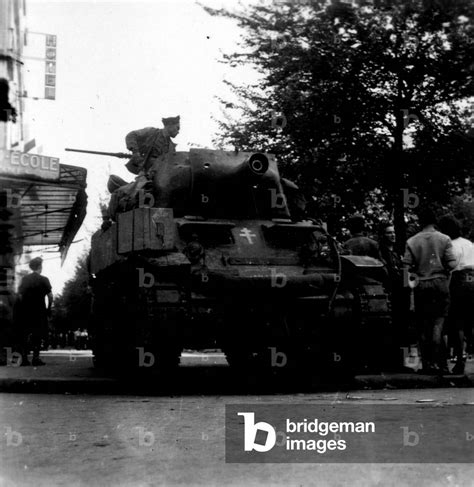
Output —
(123, 65)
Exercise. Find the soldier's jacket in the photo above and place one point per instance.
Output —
(141, 141)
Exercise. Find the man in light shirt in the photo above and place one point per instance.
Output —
(429, 255)
(462, 289)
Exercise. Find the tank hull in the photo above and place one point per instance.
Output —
(243, 286)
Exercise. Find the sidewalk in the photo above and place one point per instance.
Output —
(72, 372)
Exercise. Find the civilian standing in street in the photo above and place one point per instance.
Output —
(430, 257)
(32, 310)
(461, 317)
(399, 293)
(390, 256)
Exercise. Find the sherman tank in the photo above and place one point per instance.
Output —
(213, 252)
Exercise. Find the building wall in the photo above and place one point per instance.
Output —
(12, 36)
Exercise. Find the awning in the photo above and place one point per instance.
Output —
(51, 212)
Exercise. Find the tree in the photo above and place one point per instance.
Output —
(357, 103)
(72, 308)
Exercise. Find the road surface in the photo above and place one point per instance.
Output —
(138, 440)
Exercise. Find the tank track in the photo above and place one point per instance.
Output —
(373, 321)
(131, 330)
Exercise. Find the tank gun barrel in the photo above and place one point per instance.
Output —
(121, 155)
(254, 167)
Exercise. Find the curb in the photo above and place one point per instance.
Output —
(60, 385)
(414, 381)
(201, 382)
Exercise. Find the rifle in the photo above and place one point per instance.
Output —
(121, 155)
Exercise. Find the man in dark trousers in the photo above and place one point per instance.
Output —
(461, 288)
(33, 312)
(399, 293)
(429, 255)
(150, 143)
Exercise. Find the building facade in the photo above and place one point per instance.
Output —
(12, 41)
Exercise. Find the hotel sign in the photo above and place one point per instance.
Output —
(16, 163)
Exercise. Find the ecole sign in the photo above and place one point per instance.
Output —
(18, 163)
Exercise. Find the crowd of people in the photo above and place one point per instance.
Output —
(434, 278)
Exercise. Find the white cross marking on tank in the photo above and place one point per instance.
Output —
(246, 233)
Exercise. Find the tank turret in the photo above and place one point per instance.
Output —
(218, 183)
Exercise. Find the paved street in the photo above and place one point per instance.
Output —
(128, 440)
(72, 371)
(155, 433)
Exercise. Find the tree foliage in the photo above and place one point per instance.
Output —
(72, 307)
(357, 103)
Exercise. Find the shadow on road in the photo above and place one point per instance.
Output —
(199, 374)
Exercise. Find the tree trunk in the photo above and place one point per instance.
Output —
(397, 182)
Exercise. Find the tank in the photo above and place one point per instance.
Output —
(214, 253)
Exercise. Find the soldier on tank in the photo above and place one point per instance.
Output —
(150, 143)
(147, 146)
